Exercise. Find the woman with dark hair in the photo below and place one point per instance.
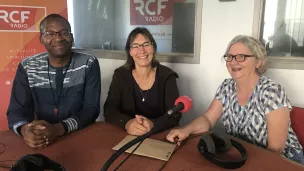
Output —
(141, 90)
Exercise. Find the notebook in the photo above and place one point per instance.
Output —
(150, 148)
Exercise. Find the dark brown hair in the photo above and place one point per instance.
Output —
(145, 32)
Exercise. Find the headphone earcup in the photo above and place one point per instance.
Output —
(28, 162)
(33, 159)
(206, 144)
(222, 142)
(210, 144)
(48, 163)
(18, 166)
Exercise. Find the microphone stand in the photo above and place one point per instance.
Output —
(157, 127)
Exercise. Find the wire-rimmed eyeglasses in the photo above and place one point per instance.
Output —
(237, 57)
(146, 46)
(52, 34)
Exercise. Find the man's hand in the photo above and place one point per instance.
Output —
(50, 132)
(147, 123)
(133, 127)
(37, 141)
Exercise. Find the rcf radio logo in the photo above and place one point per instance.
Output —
(152, 12)
(21, 18)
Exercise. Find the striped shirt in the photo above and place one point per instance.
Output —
(39, 89)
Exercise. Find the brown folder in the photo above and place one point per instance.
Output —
(150, 148)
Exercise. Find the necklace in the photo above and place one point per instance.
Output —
(143, 96)
(56, 109)
(141, 91)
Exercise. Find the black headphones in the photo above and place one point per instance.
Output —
(213, 143)
(37, 162)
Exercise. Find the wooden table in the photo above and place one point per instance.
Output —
(89, 149)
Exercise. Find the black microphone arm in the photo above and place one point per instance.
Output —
(157, 127)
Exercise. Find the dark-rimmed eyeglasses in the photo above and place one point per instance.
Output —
(52, 34)
(238, 57)
(146, 46)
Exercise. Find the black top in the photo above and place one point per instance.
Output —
(149, 107)
(119, 106)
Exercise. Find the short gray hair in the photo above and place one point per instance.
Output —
(256, 47)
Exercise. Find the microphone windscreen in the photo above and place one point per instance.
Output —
(186, 101)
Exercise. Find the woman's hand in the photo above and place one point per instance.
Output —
(178, 135)
(147, 123)
(133, 127)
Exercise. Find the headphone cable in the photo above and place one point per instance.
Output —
(129, 155)
(179, 146)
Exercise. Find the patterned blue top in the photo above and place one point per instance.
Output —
(249, 122)
(36, 89)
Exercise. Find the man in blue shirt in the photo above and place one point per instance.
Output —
(56, 92)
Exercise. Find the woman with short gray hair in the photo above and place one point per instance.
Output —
(253, 107)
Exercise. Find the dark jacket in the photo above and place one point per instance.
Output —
(119, 107)
(35, 92)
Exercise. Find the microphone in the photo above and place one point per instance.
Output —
(182, 104)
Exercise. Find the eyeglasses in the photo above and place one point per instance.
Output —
(146, 46)
(238, 57)
(52, 34)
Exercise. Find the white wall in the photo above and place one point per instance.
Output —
(292, 81)
(221, 21)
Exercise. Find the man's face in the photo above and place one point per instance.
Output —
(57, 38)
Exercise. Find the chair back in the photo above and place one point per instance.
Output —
(297, 123)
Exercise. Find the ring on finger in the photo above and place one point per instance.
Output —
(46, 140)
